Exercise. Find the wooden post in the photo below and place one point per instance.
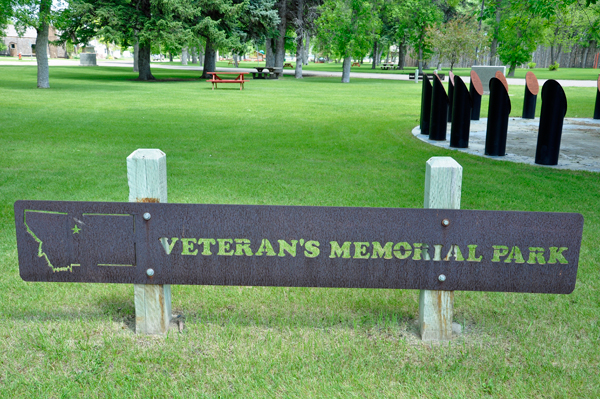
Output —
(443, 181)
(147, 177)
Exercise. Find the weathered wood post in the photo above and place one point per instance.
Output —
(147, 177)
(443, 181)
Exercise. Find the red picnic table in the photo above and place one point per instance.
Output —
(217, 79)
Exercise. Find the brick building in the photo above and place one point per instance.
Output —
(25, 44)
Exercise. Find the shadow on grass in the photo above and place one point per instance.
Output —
(120, 308)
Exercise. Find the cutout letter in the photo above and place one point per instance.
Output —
(340, 252)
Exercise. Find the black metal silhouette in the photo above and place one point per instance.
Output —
(597, 109)
(425, 105)
(497, 124)
(450, 94)
(476, 91)
(554, 109)
(439, 111)
(531, 91)
(461, 115)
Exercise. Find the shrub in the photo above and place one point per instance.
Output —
(554, 67)
(531, 65)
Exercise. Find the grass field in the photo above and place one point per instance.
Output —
(288, 142)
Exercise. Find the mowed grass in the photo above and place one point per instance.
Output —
(287, 142)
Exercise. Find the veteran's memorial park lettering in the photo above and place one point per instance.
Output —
(435, 249)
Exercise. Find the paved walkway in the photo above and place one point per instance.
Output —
(361, 75)
(579, 147)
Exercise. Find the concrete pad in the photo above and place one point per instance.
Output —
(579, 149)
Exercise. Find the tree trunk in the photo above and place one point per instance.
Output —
(136, 55)
(299, 56)
(420, 61)
(280, 42)
(306, 48)
(41, 46)
(210, 60)
(346, 69)
(236, 60)
(184, 55)
(194, 55)
(375, 50)
(585, 55)
(573, 56)
(170, 56)
(200, 54)
(299, 38)
(401, 56)
(511, 71)
(494, 44)
(493, 49)
(269, 56)
(144, 62)
(555, 55)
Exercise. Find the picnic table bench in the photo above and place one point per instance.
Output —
(442, 76)
(271, 73)
(388, 65)
(288, 65)
(356, 64)
(216, 79)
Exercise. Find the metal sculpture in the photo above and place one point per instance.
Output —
(461, 115)
(554, 109)
(425, 105)
(476, 91)
(450, 94)
(497, 124)
(531, 91)
(439, 111)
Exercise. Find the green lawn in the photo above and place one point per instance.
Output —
(313, 141)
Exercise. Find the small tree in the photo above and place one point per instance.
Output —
(455, 39)
(519, 35)
(347, 27)
(422, 15)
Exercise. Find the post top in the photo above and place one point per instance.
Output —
(142, 153)
(443, 162)
(532, 83)
(477, 85)
(500, 76)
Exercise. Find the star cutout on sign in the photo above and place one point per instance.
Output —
(76, 229)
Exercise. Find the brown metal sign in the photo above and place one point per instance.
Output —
(435, 249)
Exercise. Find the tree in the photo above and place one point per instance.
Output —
(232, 24)
(39, 15)
(455, 39)
(306, 13)
(347, 26)
(132, 21)
(422, 14)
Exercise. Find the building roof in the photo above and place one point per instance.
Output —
(12, 32)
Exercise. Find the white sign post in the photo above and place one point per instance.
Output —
(147, 177)
(443, 181)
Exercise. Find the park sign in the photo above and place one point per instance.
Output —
(296, 246)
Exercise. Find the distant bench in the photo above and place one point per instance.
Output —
(411, 76)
